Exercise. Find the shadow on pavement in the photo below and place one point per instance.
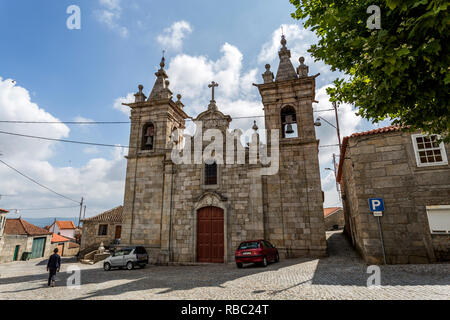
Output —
(343, 267)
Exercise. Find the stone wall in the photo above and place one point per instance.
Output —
(90, 235)
(337, 218)
(9, 242)
(384, 166)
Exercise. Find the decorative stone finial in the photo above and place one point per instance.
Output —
(303, 69)
(139, 96)
(161, 87)
(286, 70)
(178, 102)
(283, 41)
(255, 126)
(268, 75)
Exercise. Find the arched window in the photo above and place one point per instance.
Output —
(211, 173)
(148, 136)
(289, 128)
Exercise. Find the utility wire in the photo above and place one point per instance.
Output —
(33, 209)
(39, 184)
(63, 140)
(122, 122)
(63, 122)
(99, 144)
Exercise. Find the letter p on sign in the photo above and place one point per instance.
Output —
(376, 204)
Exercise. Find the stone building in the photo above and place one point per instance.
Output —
(105, 227)
(20, 236)
(411, 173)
(2, 221)
(201, 211)
(334, 218)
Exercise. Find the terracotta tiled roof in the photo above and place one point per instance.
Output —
(3, 211)
(329, 211)
(379, 130)
(73, 245)
(113, 215)
(58, 238)
(65, 224)
(358, 134)
(20, 226)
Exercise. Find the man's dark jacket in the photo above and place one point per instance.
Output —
(54, 262)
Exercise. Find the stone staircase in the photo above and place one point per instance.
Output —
(92, 255)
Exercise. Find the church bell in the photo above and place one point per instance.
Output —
(289, 129)
(149, 141)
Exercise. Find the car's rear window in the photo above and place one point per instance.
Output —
(249, 245)
(140, 250)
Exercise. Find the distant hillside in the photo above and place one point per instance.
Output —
(42, 222)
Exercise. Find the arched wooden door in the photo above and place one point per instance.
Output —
(210, 237)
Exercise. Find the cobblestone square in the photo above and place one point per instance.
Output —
(342, 275)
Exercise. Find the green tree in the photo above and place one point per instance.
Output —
(400, 71)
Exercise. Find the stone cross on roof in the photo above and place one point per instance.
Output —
(212, 86)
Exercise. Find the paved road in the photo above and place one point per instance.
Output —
(340, 276)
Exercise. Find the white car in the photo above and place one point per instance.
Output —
(128, 257)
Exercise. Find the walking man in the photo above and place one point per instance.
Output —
(53, 265)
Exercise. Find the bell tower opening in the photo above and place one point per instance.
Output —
(289, 128)
(148, 136)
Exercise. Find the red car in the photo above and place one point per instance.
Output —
(256, 251)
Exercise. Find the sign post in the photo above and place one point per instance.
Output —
(376, 206)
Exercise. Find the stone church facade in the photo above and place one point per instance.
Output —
(200, 212)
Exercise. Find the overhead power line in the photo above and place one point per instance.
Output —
(109, 122)
(63, 122)
(36, 209)
(64, 140)
(38, 183)
(121, 122)
(99, 144)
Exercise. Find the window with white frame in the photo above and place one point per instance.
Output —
(439, 219)
(428, 150)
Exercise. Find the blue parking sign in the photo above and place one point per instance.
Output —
(376, 204)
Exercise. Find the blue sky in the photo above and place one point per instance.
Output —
(69, 75)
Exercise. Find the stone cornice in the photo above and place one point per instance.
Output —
(285, 83)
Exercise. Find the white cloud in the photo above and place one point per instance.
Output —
(329, 187)
(190, 75)
(348, 120)
(172, 37)
(91, 150)
(100, 180)
(118, 103)
(298, 41)
(111, 4)
(15, 104)
(110, 15)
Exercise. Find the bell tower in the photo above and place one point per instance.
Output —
(149, 167)
(293, 200)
